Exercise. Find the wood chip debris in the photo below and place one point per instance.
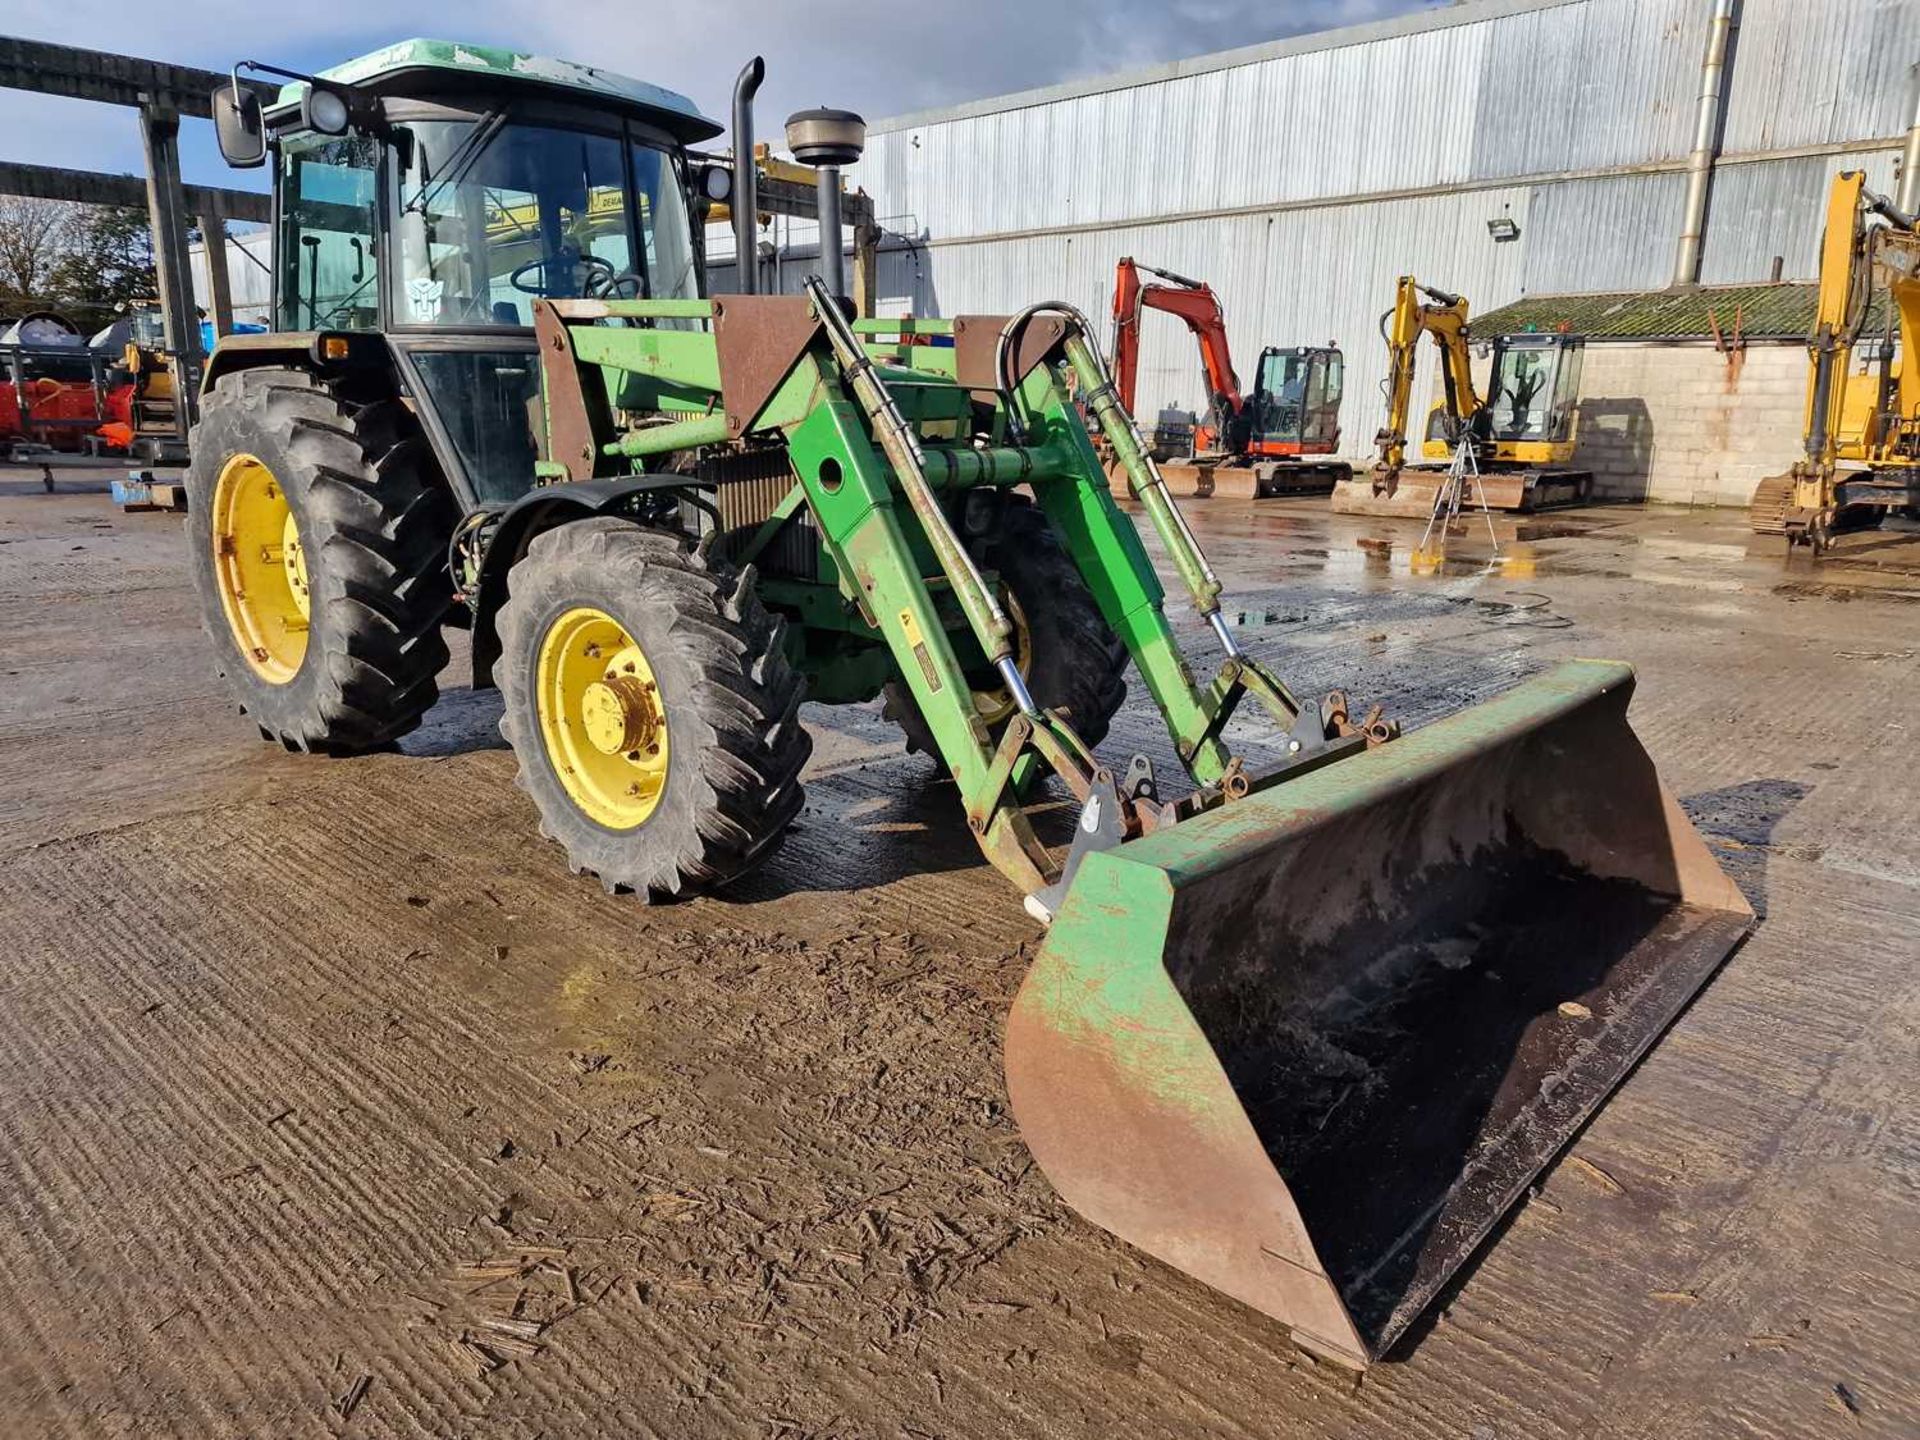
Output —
(348, 1400)
(1676, 1297)
(512, 1345)
(519, 1329)
(492, 1270)
(1594, 1173)
(471, 1352)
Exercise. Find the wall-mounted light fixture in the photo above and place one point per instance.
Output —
(1503, 228)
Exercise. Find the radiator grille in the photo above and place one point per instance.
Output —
(748, 485)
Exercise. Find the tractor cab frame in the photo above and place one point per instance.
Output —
(428, 195)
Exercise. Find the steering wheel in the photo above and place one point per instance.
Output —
(625, 285)
(599, 273)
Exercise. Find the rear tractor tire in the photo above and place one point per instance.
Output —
(1067, 655)
(319, 554)
(651, 706)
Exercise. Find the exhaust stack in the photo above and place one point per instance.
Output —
(746, 178)
(1908, 198)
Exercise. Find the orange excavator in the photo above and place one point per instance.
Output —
(1259, 444)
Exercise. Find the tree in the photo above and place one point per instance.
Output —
(35, 237)
(108, 263)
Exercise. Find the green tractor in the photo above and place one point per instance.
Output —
(1304, 1029)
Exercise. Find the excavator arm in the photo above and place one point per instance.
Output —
(1194, 302)
(1845, 279)
(1862, 431)
(1445, 319)
(1858, 258)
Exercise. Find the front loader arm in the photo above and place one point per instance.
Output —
(796, 369)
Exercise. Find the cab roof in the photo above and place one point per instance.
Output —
(385, 70)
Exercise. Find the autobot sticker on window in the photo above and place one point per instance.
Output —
(423, 300)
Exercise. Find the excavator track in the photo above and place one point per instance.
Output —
(1767, 514)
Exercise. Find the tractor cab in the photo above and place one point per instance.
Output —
(428, 194)
(1296, 401)
(1530, 410)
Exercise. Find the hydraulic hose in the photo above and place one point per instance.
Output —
(1123, 433)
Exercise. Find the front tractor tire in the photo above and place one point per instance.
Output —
(319, 557)
(651, 707)
(1064, 649)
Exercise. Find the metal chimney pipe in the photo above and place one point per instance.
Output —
(745, 202)
(1706, 137)
(1909, 197)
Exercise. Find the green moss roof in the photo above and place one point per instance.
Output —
(1764, 312)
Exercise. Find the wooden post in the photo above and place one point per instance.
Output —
(213, 246)
(166, 207)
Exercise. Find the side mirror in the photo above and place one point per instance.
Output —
(243, 135)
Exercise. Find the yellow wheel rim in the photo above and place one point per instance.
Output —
(260, 568)
(601, 719)
(996, 704)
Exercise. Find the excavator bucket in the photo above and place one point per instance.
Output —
(1311, 1045)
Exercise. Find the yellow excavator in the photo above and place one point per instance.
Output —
(1862, 437)
(1522, 432)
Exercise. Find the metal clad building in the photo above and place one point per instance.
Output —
(1299, 178)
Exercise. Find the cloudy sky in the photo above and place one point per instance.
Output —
(878, 59)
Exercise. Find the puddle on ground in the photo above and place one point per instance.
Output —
(1378, 557)
(1828, 590)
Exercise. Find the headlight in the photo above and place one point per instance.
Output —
(716, 183)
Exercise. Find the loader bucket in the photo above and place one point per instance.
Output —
(1310, 1046)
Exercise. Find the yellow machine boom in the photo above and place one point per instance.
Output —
(1862, 430)
(1446, 321)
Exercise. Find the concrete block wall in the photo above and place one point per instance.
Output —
(1678, 424)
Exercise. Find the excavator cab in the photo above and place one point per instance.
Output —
(1296, 401)
(1531, 408)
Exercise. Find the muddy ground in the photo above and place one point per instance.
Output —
(294, 1052)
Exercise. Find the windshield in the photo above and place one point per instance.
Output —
(1299, 393)
(1533, 390)
(494, 216)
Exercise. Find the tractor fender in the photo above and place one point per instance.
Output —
(332, 355)
(530, 515)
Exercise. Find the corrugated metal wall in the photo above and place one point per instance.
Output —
(1351, 162)
(250, 285)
